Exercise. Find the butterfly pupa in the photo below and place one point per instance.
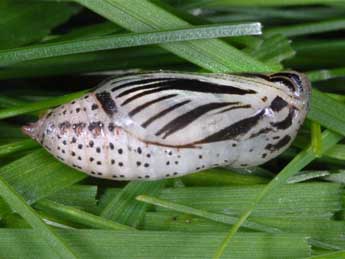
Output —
(160, 124)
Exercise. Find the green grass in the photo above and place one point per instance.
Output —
(291, 207)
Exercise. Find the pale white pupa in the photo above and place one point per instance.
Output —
(160, 124)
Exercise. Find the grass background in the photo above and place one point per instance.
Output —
(291, 207)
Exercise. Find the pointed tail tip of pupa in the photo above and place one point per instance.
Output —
(30, 130)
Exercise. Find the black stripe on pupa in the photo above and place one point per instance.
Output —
(163, 113)
(192, 85)
(149, 103)
(234, 130)
(187, 118)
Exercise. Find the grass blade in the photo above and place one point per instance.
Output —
(78, 216)
(61, 48)
(222, 218)
(308, 28)
(326, 74)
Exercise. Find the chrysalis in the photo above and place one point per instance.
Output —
(166, 124)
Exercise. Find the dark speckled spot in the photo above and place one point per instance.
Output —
(107, 102)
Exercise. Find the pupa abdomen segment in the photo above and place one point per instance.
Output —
(166, 124)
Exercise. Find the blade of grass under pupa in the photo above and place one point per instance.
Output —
(61, 48)
(124, 208)
(299, 200)
(307, 175)
(78, 216)
(155, 244)
(326, 231)
(222, 218)
(221, 177)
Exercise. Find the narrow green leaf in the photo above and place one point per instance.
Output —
(222, 218)
(221, 177)
(326, 74)
(61, 48)
(298, 200)
(316, 138)
(78, 216)
(307, 175)
(308, 28)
